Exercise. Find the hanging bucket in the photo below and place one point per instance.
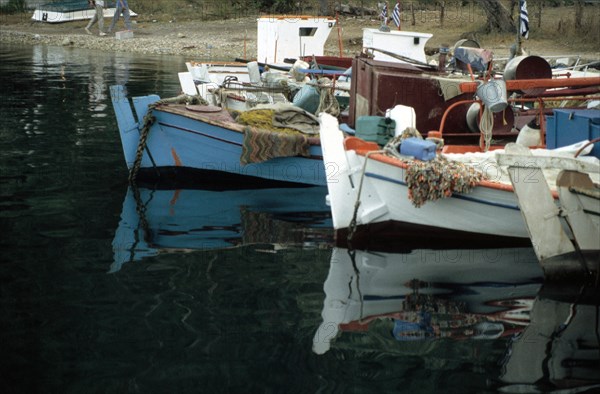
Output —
(493, 95)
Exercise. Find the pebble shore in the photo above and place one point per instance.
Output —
(200, 40)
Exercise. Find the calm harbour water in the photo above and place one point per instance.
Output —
(105, 289)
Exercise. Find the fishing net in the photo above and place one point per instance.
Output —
(263, 119)
(438, 178)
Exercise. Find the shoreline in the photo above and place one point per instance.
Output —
(157, 38)
(225, 40)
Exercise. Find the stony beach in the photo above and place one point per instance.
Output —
(236, 38)
(215, 39)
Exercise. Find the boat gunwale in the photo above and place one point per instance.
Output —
(180, 109)
(364, 148)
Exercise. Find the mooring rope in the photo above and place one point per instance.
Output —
(352, 226)
(149, 120)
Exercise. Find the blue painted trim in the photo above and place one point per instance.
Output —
(457, 196)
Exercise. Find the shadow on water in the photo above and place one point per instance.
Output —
(110, 289)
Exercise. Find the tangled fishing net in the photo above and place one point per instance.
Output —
(438, 178)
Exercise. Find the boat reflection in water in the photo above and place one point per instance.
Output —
(428, 294)
(178, 220)
(375, 301)
(560, 348)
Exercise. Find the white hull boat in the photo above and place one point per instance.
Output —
(490, 209)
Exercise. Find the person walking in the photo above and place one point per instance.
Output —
(122, 8)
(98, 17)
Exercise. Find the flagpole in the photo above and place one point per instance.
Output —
(518, 50)
(399, 18)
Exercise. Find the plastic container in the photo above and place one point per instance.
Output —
(375, 129)
(569, 126)
(418, 148)
(307, 98)
(295, 71)
(253, 72)
(404, 116)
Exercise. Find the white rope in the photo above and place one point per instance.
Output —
(486, 124)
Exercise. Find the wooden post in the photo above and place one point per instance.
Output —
(340, 42)
(442, 11)
(412, 11)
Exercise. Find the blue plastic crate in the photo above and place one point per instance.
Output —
(569, 126)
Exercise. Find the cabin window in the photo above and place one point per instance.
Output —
(307, 31)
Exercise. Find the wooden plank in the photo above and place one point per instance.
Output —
(537, 206)
(586, 233)
(566, 163)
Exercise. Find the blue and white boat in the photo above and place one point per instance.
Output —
(206, 141)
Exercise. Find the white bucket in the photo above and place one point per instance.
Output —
(493, 94)
(404, 116)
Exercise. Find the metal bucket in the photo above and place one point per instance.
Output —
(528, 67)
(503, 121)
(493, 94)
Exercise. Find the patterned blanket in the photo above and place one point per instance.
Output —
(260, 145)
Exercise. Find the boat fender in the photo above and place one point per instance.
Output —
(529, 135)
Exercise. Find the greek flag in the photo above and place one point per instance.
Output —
(384, 14)
(396, 14)
(523, 19)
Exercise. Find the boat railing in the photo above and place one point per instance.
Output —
(540, 112)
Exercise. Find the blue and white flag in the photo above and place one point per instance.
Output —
(523, 19)
(396, 14)
(384, 14)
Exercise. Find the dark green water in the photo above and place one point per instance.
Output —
(90, 304)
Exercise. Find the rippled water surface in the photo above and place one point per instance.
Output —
(109, 289)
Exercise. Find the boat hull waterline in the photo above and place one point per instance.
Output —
(191, 143)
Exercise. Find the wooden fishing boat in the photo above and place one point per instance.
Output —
(173, 138)
(371, 192)
(561, 253)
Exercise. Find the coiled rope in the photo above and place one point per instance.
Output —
(486, 124)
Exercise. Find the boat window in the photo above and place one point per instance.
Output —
(307, 31)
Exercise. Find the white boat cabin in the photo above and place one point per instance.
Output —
(404, 43)
(280, 37)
